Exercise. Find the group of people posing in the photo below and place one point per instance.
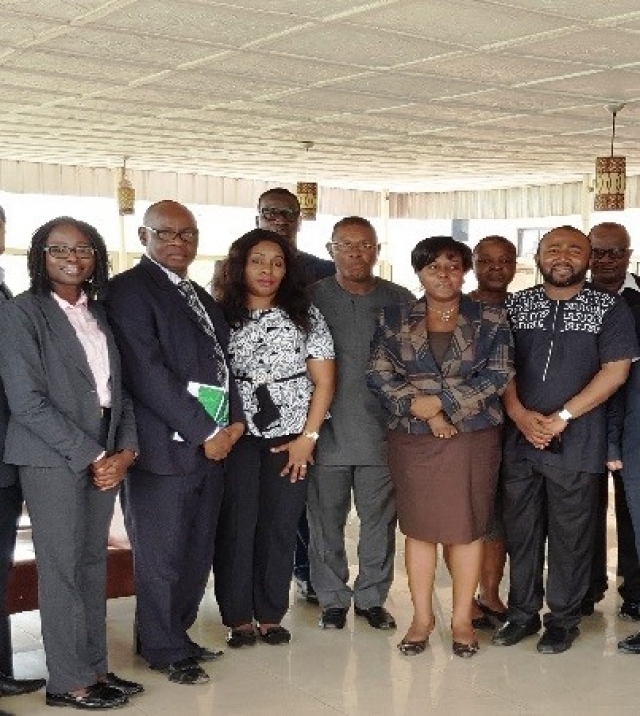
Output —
(236, 427)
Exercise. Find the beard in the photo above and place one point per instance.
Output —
(572, 279)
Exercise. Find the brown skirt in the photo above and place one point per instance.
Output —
(445, 489)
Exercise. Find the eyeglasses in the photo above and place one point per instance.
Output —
(615, 254)
(189, 236)
(269, 213)
(347, 246)
(63, 252)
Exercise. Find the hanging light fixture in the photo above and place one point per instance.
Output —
(611, 177)
(126, 194)
(307, 192)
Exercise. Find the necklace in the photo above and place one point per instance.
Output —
(445, 315)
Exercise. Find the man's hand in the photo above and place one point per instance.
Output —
(557, 424)
(536, 428)
(235, 432)
(219, 446)
(108, 472)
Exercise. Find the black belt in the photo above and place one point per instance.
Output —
(249, 379)
(105, 413)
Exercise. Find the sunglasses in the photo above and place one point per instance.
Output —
(270, 213)
(610, 253)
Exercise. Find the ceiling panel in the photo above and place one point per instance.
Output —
(583, 10)
(468, 23)
(444, 93)
(230, 26)
(348, 44)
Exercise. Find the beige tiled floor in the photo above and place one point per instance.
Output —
(359, 670)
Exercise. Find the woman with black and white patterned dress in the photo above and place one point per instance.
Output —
(282, 355)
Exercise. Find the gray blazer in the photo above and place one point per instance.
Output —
(55, 412)
(8, 473)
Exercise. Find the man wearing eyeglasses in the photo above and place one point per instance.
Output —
(10, 509)
(610, 257)
(350, 455)
(279, 211)
(171, 333)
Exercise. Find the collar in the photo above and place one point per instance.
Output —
(173, 277)
(65, 305)
(630, 283)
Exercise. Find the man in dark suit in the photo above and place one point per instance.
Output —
(10, 509)
(279, 211)
(172, 333)
(611, 252)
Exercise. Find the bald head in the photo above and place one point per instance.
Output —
(166, 206)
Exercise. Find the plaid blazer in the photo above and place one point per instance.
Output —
(475, 371)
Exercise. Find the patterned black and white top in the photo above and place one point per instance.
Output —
(270, 349)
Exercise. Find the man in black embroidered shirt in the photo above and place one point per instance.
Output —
(574, 346)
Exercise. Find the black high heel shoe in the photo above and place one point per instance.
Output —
(465, 651)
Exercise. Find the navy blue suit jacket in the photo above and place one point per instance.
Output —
(163, 348)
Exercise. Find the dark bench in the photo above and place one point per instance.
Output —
(22, 590)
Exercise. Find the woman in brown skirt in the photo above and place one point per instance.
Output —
(439, 367)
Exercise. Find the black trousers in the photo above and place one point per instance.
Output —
(628, 565)
(256, 533)
(171, 521)
(544, 503)
(10, 509)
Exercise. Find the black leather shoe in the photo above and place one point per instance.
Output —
(128, 688)
(630, 611)
(15, 687)
(512, 632)
(555, 640)
(333, 618)
(630, 645)
(378, 617)
(186, 671)
(587, 607)
(275, 635)
(305, 589)
(99, 696)
(201, 654)
(237, 638)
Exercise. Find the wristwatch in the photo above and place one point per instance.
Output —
(311, 434)
(565, 415)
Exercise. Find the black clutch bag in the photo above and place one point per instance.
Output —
(268, 412)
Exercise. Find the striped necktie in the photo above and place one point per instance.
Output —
(188, 291)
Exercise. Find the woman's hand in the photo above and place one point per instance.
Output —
(300, 455)
(440, 427)
(108, 472)
(425, 407)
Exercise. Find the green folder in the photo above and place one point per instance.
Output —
(214, 400)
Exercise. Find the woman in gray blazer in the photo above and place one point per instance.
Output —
(72, 435)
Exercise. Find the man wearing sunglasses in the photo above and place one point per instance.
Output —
(610, 257)
(279, 211)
